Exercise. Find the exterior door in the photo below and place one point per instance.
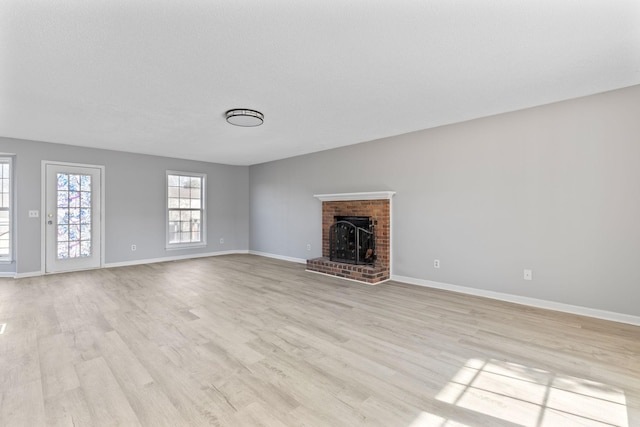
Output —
(72, 216)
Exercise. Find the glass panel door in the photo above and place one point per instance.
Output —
(72, 218)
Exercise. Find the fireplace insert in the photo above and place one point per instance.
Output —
(352, 240)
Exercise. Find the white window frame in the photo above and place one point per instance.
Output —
(203, 217)
(9, 258)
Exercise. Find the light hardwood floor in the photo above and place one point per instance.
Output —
(247, 341)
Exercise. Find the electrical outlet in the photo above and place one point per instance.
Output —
(222, 240)
(308, 246)
(34, 214)
(528, 275)
(436, 263)
(133, 248)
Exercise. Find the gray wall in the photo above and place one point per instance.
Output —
(555, 189)
(134, 201)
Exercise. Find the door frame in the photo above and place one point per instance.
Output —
(43, 210)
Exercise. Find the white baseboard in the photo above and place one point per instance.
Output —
(8, 274)
(281, 257)
(171, 258)
(533, 302)
(136, 262)
(27, 274)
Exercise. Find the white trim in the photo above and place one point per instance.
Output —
(12, 209)
(340, 197)
(172, 258)
(346, 278)
(28, 274)
(280, 257)
(183, 246)
(203, 211)
(390, 237)
(533, 302)
(43, 217)
(7, 274)
(138, 262)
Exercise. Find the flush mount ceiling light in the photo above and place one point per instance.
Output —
(245, 118)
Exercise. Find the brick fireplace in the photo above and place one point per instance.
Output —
(376, 206)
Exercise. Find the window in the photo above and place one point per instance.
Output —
(74, 215)
(5, 209)
(185, 210)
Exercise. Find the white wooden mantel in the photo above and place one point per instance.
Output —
(341, 197)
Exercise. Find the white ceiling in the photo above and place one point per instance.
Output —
(156, 76)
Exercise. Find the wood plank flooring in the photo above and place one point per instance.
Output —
(242, 340)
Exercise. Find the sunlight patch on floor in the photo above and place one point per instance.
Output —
(529, 397)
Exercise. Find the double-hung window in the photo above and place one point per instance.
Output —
(5, 210)
(185, 210)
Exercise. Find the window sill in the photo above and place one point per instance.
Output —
(185, 246)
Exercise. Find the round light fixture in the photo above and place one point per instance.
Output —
(245, 118)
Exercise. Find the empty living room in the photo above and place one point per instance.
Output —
(322, 214)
